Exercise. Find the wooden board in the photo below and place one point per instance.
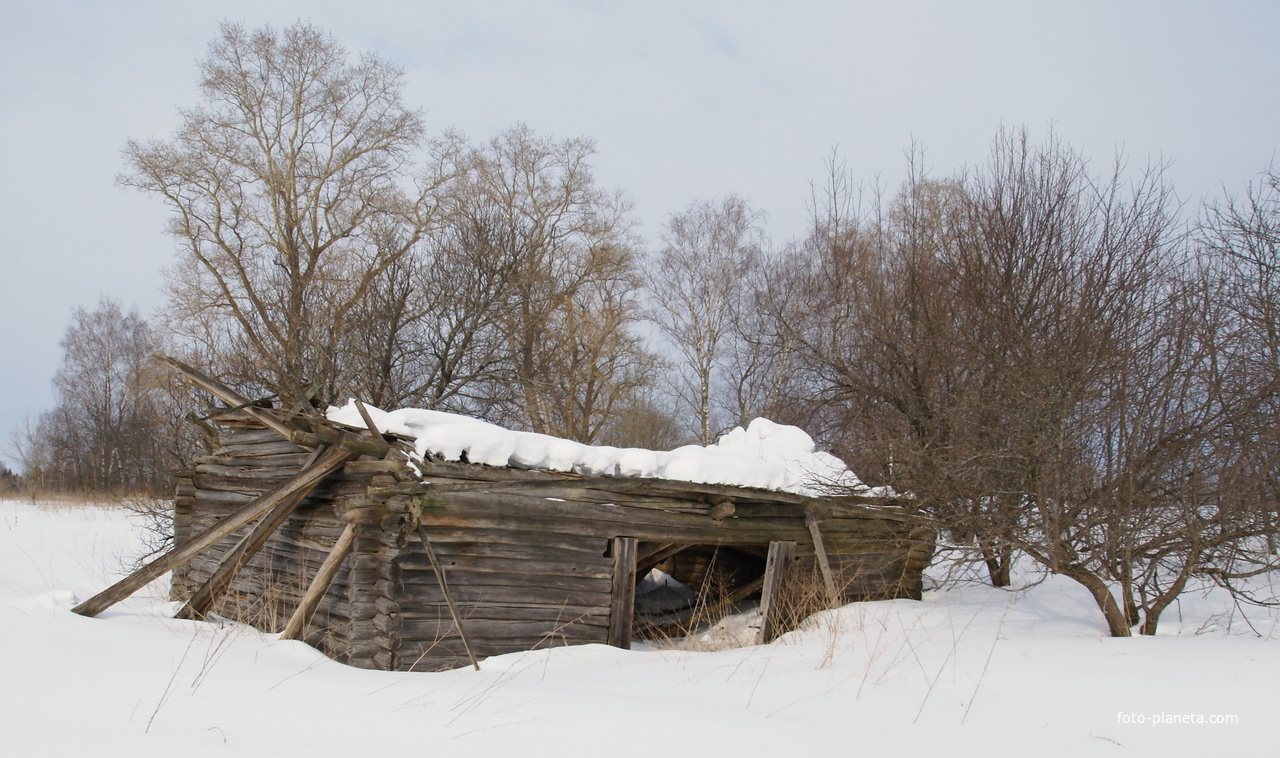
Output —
(622, 593)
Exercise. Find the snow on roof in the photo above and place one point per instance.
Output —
(764, 455)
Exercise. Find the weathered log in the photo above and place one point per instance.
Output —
(833, 598)
(297, 489)
(529, 579)
(622, 594)
(465, 595)
(329, 436)
(588, 521)
(319, 585)
(555, 613)
(251, 470)
(232, 437)
(551, 565)
(775, 573)
(517, 546)
(363, 468)
(267, 451)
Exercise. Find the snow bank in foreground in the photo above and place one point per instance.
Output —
(765, 454)
(971, 671)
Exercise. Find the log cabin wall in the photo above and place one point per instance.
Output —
(519, 584)
(248, 462)
(528, 557)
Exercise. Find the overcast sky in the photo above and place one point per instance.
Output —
(684, 99)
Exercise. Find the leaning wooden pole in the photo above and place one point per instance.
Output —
(775, 571)
(179, 555)
(824, 565)
(448, 596)
(310, 476)
(319, 585)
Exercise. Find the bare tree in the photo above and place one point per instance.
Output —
(287, 187)
(432, 326)
(1240, 237)
(110, 430)
(1028, 350)
(565, 296)
(698, 286)
(761, 370)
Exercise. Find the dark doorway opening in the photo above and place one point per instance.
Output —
(681, 589)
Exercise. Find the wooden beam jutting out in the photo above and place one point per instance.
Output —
(229, 396)
(721, 508)
(776, 568)
(622, 595)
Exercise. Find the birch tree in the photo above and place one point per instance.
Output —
(698, 286)
(111, 429)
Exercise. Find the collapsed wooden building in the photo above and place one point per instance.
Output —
(346, 539)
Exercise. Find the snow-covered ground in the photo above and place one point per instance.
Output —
(971, 671)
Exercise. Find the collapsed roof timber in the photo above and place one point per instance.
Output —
(345, 538)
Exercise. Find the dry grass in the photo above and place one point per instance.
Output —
(721, 620)
(63, 501)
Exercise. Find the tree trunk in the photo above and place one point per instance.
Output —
(1117, 623)
(999, 564)
(1166, 598)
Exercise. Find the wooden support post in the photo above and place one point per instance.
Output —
(179, 555)
(448, 596)
(833, 597)
(306, 480)
(622, 595)
(319, 585)
(775, 571)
